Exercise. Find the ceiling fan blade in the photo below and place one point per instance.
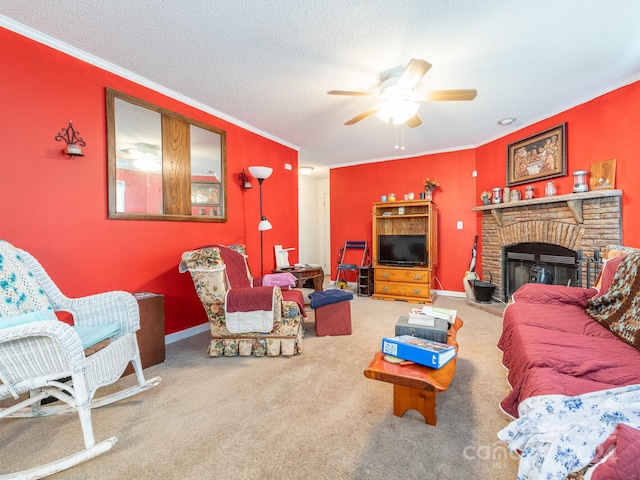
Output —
(414, 121)
(445, 95)
(346, 92)
(363, 115)
(413, 73)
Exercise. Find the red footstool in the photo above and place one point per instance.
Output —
(332, 312)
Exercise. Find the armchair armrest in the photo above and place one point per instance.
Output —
(107, 308)
(46, 350)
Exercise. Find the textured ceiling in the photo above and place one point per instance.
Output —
(268, 64)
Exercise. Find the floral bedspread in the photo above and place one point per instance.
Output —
(559, 434)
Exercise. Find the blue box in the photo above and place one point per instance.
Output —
(419, 350)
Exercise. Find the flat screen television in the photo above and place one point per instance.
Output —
(407, 250)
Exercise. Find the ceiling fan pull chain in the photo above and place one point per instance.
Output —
(401, 146)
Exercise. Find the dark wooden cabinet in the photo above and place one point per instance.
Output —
(365, 281)
(151, 333)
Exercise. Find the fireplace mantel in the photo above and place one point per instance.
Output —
(584, 222)
(573, 201)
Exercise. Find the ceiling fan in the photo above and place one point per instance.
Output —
(399, 102)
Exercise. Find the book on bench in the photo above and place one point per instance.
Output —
(427, 316)
(438, 332)
(419, 350)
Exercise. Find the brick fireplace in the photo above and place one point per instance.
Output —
(581, 221)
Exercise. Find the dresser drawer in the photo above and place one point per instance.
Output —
(408, 290)
(404, 275)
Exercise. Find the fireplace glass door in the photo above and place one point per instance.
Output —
(533, 262)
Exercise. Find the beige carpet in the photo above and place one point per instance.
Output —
(313, 416)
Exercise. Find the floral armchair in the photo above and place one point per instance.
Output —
(276, 329)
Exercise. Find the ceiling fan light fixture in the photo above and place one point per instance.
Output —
(397, 112)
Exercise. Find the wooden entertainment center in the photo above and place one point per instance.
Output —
(408, 217)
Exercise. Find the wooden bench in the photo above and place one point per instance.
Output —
(415, 386)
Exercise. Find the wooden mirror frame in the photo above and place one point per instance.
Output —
(176, 174)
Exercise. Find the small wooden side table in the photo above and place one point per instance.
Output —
(305, 273)
(151, 333)
(415, 386)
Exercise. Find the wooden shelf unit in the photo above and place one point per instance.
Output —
(365, 281)
(412, 284)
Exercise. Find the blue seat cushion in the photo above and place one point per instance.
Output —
(90, 335)
(15, 320)
(319, 299)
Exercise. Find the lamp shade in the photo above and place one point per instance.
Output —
(264, 225)
(260, 172)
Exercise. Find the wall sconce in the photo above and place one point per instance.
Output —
(261, 173)
(73, 141)
(245, 180)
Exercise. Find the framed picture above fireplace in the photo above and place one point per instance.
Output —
(538, 157)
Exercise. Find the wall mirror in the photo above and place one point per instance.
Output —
(163, 165)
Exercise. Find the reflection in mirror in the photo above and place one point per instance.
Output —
(205, 173)
(162, 165)
(138, 158)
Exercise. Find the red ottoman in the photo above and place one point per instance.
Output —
(332, 311)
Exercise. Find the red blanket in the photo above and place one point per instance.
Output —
(241, 297)
(623, 462)
(244, 298)
(295, 296)
(551, 346)
(249, 299)
(236, 267)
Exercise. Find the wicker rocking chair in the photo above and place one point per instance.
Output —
(38, 352)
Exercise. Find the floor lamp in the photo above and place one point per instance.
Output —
(261, 174)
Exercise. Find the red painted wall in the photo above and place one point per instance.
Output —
(56, 208)
(355, 188)
(600, 129)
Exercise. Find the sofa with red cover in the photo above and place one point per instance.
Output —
(570, 341)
